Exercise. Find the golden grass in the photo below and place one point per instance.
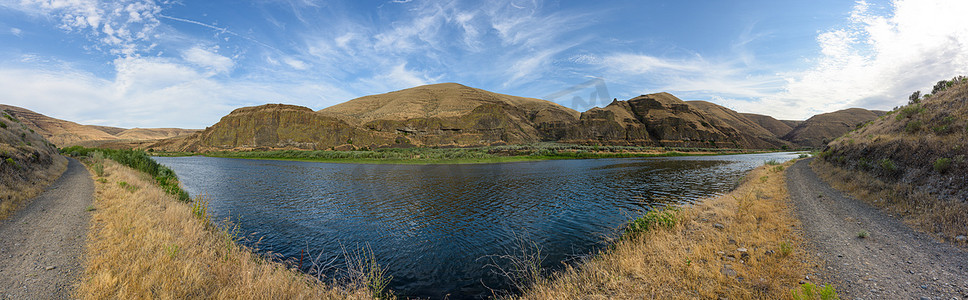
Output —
(16, 190)
(144, 244)
(945, 219)
(695, 259)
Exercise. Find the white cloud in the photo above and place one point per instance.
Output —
(875, 61)
(295, 63)
(122, 27)
(215, 63)
(16, 31)
(147, 92)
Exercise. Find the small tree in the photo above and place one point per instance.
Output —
(914, 98)
(940, 86)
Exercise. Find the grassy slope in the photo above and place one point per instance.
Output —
(28, 164)
(144, 244)
(911, 162)
(690, 258)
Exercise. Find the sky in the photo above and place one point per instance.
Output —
(143, 63)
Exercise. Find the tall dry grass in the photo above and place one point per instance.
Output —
(945, 218)
(15, 190)
(145, 244)
(694, 258)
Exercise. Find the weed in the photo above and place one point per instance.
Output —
(97, 163)
(200, 209)
(785, 249)
(127, 186)
(942, 165)
(803, 155)
(11, 118)
(764, 179)
(89, 208)
(777, 169)
(656, 218)
(172, 250)
(863, 234)
(102, 180)
(3, 125)
(809, 291)
(772, 162)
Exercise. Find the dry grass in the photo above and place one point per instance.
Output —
(144, 244)
(946, 219)
(16, 190)
(695, 259)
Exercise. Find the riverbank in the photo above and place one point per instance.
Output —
(494, 154)
(741, 245)
(145, 243)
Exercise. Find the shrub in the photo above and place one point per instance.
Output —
(13, 163)
(942, 165)
(887, 165)
(11, 118)
(3, 125)
(915, 98)
(666, 218)
(912, 127)
(863, 234)
(138, 160)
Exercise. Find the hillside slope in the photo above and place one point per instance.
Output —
(28, 162)
(924, 142)
(776, 127)
(742, 123)
(66, 133)
(912, 162)
(453, 113)
(816, 131)
(663, 120)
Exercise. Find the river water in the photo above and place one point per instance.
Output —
(440, 230)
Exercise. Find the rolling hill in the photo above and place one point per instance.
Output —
(820, 129)
(66, 133)
(454, 115)
(28, 162)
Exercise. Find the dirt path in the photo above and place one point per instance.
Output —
(41, 244)
(893, 262)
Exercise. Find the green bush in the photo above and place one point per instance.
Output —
(912, 127)
(12, 162)
(942, 165)
(3, 125)
(887, 165)
(656, 218)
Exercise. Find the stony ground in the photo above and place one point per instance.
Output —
(41, 244)
(892, 262)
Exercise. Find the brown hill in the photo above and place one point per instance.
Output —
(449, 113)
(661, 120)
(792, 123)
(28, 162)
(921, 144)
(776, 127)
(275, 126)
(818, 130)
(742, 123)
(66, 133)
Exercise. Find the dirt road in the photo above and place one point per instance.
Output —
(41, 244)
(893, 262)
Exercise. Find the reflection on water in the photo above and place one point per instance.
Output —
(433, 224)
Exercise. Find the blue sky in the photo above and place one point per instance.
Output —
(187, 63)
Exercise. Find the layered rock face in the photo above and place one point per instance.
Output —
(664, 120)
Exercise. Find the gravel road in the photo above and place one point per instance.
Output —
(41, 244)
(892, 262)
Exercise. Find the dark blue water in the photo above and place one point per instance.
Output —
(437, 227)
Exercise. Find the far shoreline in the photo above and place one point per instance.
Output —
(431, 156)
